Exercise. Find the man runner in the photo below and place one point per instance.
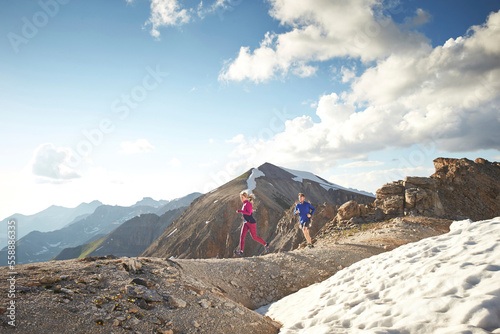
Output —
(305, 211)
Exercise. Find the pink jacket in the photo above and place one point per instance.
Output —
(247, 208)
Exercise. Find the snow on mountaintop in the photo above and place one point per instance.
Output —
(251, 182)
(299, 177)
(444, 284)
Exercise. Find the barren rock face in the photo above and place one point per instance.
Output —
(460, 188)
(468, 188)
(288, 232)
(390, 198)
(421, 197)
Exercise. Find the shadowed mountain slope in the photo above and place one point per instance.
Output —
(129, 239)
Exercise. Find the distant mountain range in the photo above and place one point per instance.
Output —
(148, 201)
(210, 226)
(129, 239)
(50, 219)
(37, 246)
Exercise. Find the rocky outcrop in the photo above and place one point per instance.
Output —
(468, 188)
(415, 196)
(356, 213)
(288, 232)
(390, 198)
(460, 188)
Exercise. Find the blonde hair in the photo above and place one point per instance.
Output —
(250, 197)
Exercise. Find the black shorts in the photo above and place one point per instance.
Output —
(305, 224)
(249, 219)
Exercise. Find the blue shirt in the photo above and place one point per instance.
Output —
(304, 209)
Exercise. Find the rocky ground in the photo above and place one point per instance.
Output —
(153, 295)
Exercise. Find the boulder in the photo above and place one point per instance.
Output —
(421, 197)
(390, 198)
(348, 210)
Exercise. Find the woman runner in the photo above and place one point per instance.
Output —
(249, 223)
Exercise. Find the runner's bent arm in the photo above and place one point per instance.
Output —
(312, 210)
(247, 209)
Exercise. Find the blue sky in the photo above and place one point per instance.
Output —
(118, 100)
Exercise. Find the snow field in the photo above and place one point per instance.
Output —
(445, 284)
(251, 182)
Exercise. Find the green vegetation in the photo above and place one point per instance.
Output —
(90, 247)
(243, 176)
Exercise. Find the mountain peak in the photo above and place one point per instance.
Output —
(148, 201)
(277, 172)
(94, 203)
(274, 171)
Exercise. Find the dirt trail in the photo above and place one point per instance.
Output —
(257, 281)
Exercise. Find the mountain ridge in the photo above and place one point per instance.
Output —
(210, 225)
(52, 218)
(39, 246)
(129, 239)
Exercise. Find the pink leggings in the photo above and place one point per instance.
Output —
(253, 232)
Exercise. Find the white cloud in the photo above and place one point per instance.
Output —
(348, 74)
(321, 30)
(170, 13)
(238, 139)
(51, 163)
(219, 6)
(374, 180)
(174, 162)
(166, 13)
(302, 70)
(421, 17)
(448, 96)
(361, 164)
(139, 146)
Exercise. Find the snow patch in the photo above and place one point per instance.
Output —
(443, 284)
(171, 233)
(44, 250)
(91, 231)
(251, 182)
(300, 176)
(54, 245)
